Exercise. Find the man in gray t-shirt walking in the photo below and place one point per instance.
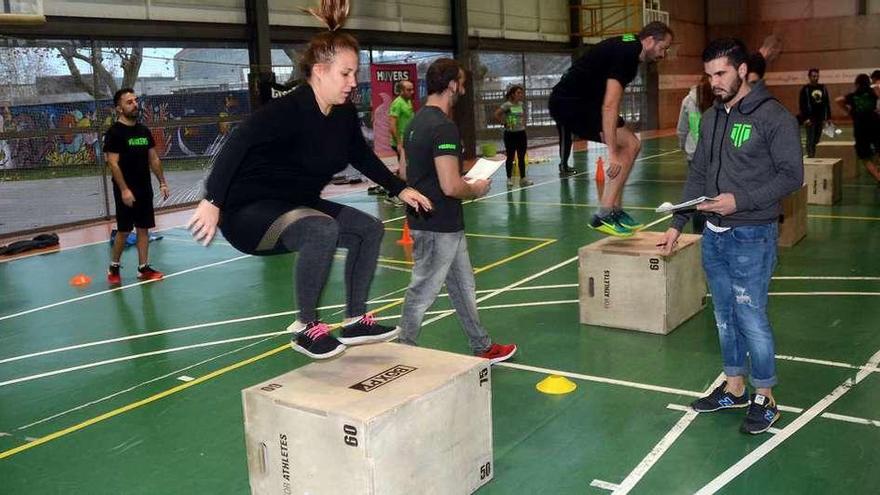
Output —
(431, 161)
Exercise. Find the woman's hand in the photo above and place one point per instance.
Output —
(415, 199)
(203, 223)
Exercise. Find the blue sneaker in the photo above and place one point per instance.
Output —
(762, 414)
(720, 399)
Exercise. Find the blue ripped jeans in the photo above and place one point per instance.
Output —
(738, 265)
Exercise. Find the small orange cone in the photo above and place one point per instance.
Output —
(80, 280)
(405, 239)
(600, 170)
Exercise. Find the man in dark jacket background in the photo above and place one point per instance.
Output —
(814, 108)
(748, 159)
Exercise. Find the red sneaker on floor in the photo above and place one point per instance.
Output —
(499, 352)
(148, 273)
(113, 277)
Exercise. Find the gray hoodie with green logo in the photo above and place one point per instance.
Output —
(753, 152)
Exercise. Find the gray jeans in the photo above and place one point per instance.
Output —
(442, 257)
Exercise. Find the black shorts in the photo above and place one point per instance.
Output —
(139, 215)
(247, 227)
(581, 117)
(867, 141)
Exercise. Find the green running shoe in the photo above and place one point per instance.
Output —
(609, 225)
(627, 221)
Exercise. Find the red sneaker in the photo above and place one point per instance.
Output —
(113, 277)
(148, 273)
(498, 352)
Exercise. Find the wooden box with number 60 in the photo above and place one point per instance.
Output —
(380, 419)
(627, 283)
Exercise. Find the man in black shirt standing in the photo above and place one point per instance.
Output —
(431, 162)
(587, 101)
(130, 152)
(815, 109)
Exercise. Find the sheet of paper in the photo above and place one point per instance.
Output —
(483, 169)
(667, 207)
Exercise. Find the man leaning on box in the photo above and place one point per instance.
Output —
(748, 158)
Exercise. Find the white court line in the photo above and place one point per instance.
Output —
(822, 277)
(441, 313)
(765, 448)
(833, 416)
(553, 181)
(636, 475)
(106, 241)
(191, 241)
(852, 419)
(136, 356)
(144, 282)
(655, 222)
(836, 364)
(844, 293)
(157, 332)
(185, 378)
(88, 296)
(601, 379)
(604, 485)
(505, 289)
(129, 389)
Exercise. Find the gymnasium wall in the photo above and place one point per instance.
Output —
(831, 36)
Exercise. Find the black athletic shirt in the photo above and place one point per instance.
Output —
(288, 151)
(863, 104)
(614, 58)
(431, 134)
(133, 144)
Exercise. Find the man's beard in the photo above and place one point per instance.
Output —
(734, 90)
(133, 115)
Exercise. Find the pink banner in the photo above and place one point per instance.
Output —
(383, 79)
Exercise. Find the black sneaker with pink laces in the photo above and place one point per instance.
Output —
(367, 331)
(316, 342)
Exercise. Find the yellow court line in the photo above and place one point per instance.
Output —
(213, 374)
(492, 236)
(396, 262)
(135, 405)
(513, 257)
(843, 217)
(578, 205)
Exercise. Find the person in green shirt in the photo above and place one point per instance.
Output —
(512, 114)
(400, 113)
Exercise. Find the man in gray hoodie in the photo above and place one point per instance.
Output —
(748, 158)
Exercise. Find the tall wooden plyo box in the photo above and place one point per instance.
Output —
(824, 179)
(845, 150)
(385, 419)
(793, 220)
(627, 283)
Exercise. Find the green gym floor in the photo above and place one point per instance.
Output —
(137, 389)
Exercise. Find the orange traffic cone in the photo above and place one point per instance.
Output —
(600, 170)
(80, 280)
(405, 239)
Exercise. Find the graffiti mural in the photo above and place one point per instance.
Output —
(61, 134)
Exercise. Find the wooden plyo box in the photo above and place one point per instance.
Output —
(845, 150)
(824, 179)
(793, 220)
(626, 283)
(380, 419)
